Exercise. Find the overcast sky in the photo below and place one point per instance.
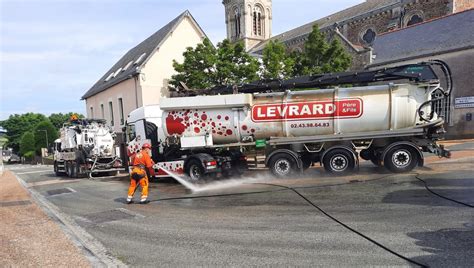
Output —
(53, 51)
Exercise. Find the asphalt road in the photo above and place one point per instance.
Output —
(252, 224)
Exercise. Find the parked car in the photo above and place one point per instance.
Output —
(14, 159)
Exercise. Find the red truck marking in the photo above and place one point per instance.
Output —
(313, 110)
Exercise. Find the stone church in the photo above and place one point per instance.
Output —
(356, 27)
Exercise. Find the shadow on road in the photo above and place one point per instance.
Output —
(447, 247)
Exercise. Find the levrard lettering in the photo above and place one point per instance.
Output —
(314, 110)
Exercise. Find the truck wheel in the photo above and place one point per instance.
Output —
(401, 158)
(70, 169)
(67, 168)
(194, 170)
(339, 161)
(282, 165)
(56, 169)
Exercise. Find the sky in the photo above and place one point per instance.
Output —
(53, 51)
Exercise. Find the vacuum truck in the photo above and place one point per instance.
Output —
(388, 116)
(86, 147)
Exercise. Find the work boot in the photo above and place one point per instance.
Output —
(129, 200)
(144, 200)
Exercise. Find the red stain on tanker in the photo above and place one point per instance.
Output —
(244, 127)
(197, 130)
(219, 117)
(175, 125)
(226, 118)
(204, 117)
(229, 132)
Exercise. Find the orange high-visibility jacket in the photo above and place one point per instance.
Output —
(143, 159)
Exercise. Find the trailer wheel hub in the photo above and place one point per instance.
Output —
(283, 166)
(339, 163)
(401, 158)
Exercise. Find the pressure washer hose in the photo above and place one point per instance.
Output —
(284, 188)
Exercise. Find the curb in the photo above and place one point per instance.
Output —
(92, 248)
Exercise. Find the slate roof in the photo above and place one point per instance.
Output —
(361, 10)
(145, 48)
(449, 33)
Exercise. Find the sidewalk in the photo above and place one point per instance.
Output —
(28, 237)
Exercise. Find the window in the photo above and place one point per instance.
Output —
(140, 59)
(369, 36)
(131, 134)
(237, 18)
(414, 20)
(117, 72)
(122, 120)
(257, 21)
(127, 66)
(111, 108)
(102, 113)
(92, 112)
(109, 77)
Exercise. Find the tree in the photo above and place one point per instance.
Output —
(234, 65)
(27, 143)
(206, 66)
(276, 63)
(16, 125)
(337, 59)
(320, 56)
(45, 134)
(59, 119)
(198, 68)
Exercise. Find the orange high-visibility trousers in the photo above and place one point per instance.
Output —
(133, 185)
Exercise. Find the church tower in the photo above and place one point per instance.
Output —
(249, 21)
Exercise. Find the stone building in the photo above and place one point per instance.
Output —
(450, 39)
(356, 27)
(141, 76)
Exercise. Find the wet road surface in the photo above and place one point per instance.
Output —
(263, 225)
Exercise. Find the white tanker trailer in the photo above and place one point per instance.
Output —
(390, 123)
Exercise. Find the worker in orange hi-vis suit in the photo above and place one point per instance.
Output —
(141, 162)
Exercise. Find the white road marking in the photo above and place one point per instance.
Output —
(31, 172)
(49, 182)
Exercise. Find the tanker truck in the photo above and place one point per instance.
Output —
(388, 116)
(86, 147)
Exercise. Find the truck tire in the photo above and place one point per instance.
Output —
(401, 158)
(194, 170)
(67, 168)
(339, 161)
(282, 165)
(56, 169)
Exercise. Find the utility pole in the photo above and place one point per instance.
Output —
(46, 133)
